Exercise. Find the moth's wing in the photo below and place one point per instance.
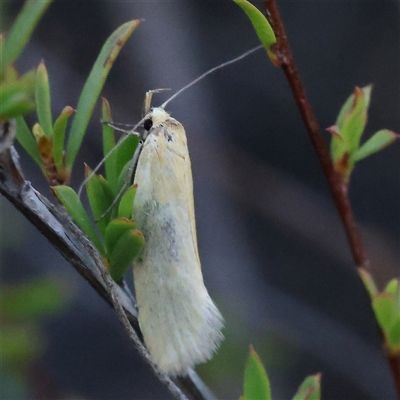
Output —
(184, 176)
(180, 323)
(163, 204)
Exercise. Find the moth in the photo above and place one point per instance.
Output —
(180, 323)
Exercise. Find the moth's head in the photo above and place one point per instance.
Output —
(165, 131)
(155, 118)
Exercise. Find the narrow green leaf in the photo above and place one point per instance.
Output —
(21, 31)
(125, 153)
(59, 135)
(123, 176)
(15, 105)
(310, 389)
(396, 296)
(378, 141)
(256, 382)
(16, 96)
(100, 197)
(394, 331)
(10, 74)
(27, 141)
(115, 229)
(368, 281)
(108, 145)
(348, 105)
(42, 97)
(262, 27)
(70, 199)
(354, 123)
(127, 248)
(367, 95)
(126, 204)
(124, 156)
(93, 86)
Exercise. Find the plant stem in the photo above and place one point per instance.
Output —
(337, 187)
(394, 362)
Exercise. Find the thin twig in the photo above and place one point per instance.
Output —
(337, 187)
(394, 362)
(135, 338)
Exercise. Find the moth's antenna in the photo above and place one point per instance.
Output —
(225, 64)
(147, 108)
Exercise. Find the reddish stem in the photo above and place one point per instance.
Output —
(337, 186)
(394, 362)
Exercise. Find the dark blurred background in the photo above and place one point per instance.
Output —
(273, 250)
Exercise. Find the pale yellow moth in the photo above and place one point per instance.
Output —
(180, 323)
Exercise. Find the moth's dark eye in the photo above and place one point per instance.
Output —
(147, 124)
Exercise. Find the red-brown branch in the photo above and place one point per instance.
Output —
(337, 187)
(394, 362)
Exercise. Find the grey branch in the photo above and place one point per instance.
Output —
(54, 223)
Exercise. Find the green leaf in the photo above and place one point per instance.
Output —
(122, 177)
(42, 97)
(368, 281)
(354, 123)
(93, 86)
(262, 27)
(124, 168)
(27, 141)
(10, 74)
(125, 153)
(310, 389)
(100, 198)
(126, 204)
(382, 304)
(392, 287)
(21, 31)
(393, 338)
(110, 163)
(348, 105)
(16, 96)
(256, 382)
(127, 248)
(70, 199)
(115, 229)
(348, 129)
(59, 135)
(29, 300)
(378, 141)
